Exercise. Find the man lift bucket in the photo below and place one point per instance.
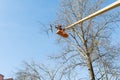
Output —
(61, 32)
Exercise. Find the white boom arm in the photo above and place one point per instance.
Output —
(109, 7)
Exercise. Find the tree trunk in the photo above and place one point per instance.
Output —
(90, 68)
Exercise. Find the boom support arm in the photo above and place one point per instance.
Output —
(111, 6)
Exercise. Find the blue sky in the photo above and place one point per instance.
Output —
(20, 37)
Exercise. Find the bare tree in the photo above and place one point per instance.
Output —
(34, 71)
(89, 43)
